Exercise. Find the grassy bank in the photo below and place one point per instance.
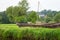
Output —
(13, 32)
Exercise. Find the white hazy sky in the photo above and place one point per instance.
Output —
(44, 4)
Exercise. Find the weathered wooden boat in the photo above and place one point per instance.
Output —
(46, 25)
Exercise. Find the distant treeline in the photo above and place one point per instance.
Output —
(53, 16)
(3, 18)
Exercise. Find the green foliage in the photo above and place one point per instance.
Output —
(10, 14)
(32, 17)
(17, 12)
(0, 18)
(23, 7)
(47, 19)
(13, 32)
(3, 17)
(21, 19)
(57, 17)
(50, 15)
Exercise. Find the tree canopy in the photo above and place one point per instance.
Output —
(18, 11)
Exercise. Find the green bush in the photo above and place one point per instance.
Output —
(32, 17)
(21, 19)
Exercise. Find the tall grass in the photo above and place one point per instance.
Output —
(13, 32)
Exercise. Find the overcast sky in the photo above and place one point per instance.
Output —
(44, 4)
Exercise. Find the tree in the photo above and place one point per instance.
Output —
(18, 11)
(10, 14)
(57, 17)
(22, 14)
(0, 18)
(47, 19)
(32, 17)
(3, 18)
(23, 6)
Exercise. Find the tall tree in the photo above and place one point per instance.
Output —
(23, 6)
(17, 12)
(22, 14)
(10, 14)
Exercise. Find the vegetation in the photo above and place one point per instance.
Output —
(21, 14)
(16, 16)
(57, 18)
(13, 32)
(10, 31)
(14, 13)
(32, 16)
